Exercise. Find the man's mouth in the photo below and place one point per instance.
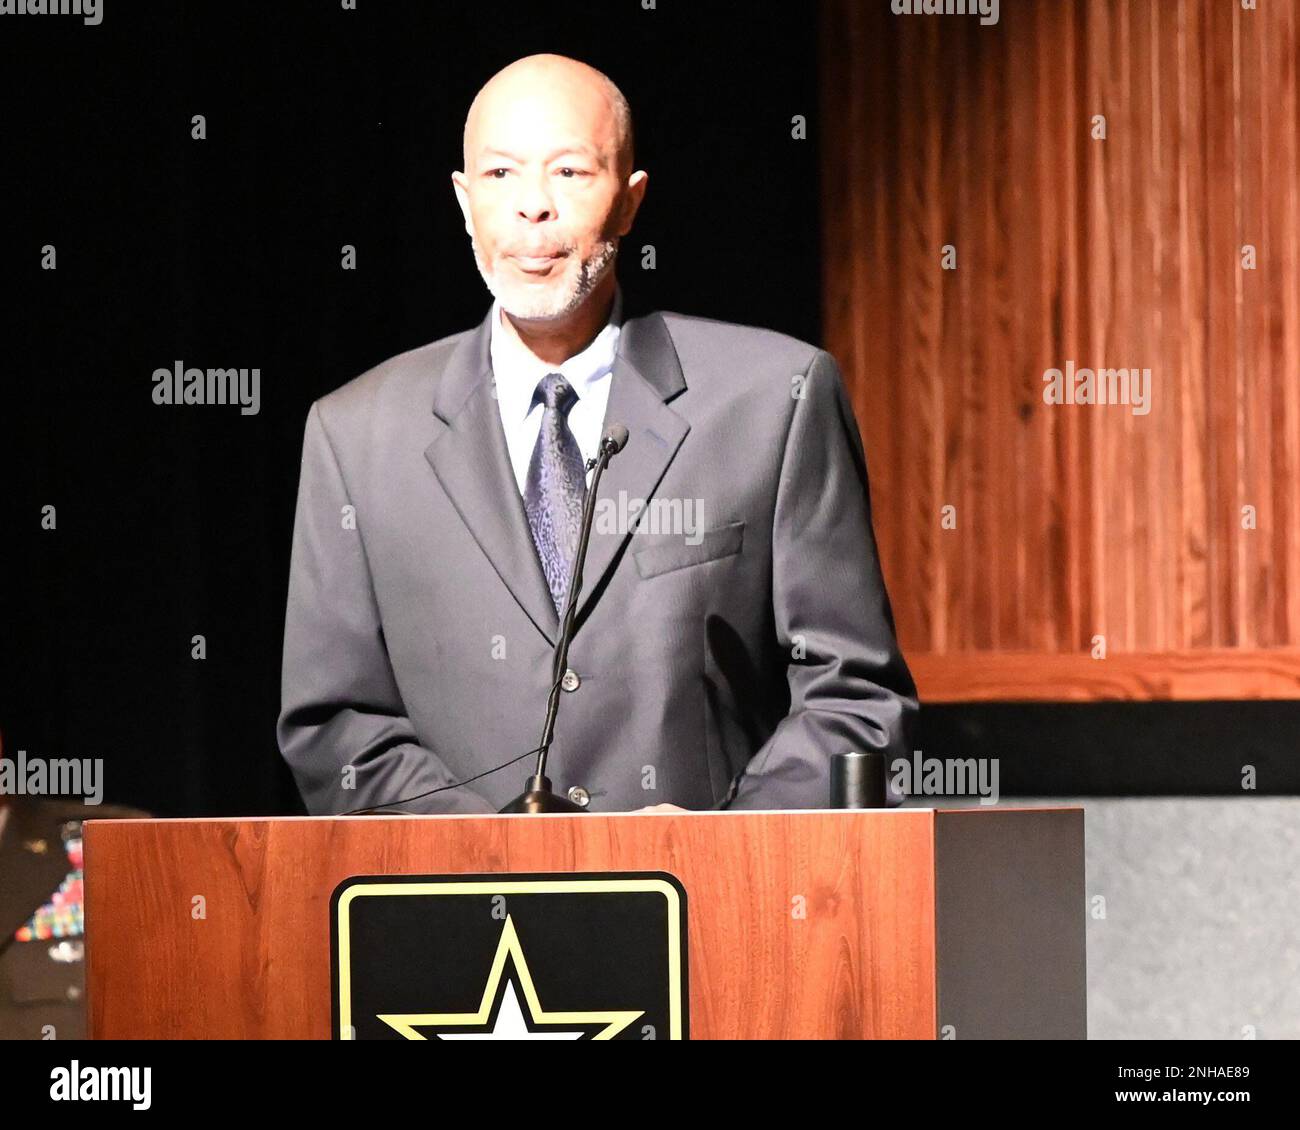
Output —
(534, 264)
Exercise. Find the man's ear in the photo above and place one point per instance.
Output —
(632, 197)
(461, 187)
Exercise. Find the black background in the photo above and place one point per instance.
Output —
(325, 127)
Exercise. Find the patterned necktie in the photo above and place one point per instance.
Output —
(556, 486)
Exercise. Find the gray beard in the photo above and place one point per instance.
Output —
(547, 307)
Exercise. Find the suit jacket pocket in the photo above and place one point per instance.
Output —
(678, 553)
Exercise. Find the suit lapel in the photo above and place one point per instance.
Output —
(646, 375)
(472, 462)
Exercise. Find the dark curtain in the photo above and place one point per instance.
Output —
(325, 127)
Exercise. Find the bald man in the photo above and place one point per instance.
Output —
(733, 631)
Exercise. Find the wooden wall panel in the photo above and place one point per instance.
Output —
(1074, 522)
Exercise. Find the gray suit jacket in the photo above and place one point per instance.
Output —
(719, 668)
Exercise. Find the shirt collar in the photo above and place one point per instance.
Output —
(517, 371)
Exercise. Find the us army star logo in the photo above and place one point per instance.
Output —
(499, 1016)
(594, 955)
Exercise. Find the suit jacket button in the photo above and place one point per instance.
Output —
(579, 796)
(570, 682)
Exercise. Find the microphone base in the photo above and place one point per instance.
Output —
(537, 797)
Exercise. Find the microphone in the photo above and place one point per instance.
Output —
(615, 436)
(537, 795)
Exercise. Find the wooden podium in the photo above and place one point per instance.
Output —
(879, 924)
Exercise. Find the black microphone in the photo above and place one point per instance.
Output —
(615, 438)
(537, 795)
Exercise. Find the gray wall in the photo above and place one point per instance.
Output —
(1200, 937)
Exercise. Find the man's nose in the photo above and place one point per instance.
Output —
(535, 202)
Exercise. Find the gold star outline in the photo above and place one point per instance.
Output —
(508, 947)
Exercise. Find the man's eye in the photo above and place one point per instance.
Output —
(493, 173)
(576, 172)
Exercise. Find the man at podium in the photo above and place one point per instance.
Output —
(732, 631)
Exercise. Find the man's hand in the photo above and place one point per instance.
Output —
(661, 808)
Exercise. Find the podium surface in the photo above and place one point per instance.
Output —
(903, 923)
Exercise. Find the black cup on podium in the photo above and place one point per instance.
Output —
(858, 780)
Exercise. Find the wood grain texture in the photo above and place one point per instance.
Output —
(1188, 675)
(860, 964)
(1074, 521)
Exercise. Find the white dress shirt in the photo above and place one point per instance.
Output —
(518, 373)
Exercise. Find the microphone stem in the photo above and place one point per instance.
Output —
(561, 660)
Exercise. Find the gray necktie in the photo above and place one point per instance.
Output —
(556, 486)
